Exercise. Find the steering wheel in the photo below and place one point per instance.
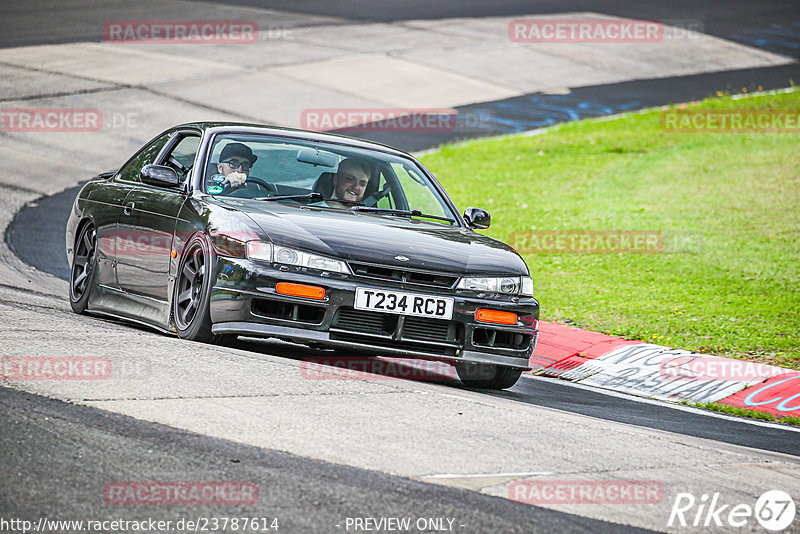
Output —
(252, 188)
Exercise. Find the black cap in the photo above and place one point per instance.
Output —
(239, 150)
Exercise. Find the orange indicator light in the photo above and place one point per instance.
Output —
(485, 315)
(301, 290)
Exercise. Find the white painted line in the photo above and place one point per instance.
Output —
(490, 475)
(674, 406)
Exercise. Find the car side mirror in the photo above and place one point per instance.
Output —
(160, 175)
(477, 218)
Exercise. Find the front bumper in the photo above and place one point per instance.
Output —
(244, 302)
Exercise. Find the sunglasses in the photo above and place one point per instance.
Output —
(244, 165)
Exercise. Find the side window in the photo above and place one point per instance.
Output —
(387, 201)
(419, 195)
(130, 171)
(181, 157)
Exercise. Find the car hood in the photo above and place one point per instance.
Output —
(372, 238)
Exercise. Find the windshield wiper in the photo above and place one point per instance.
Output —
(354, 202)
(308, 196)
(388, 211)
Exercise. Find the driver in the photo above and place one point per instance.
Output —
(233, 168)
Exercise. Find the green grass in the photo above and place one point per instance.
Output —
(728, 205)
(745, 412)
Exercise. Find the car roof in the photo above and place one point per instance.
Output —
(263, 129)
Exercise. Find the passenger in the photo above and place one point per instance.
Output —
(350, 181)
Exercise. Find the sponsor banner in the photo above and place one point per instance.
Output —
(181, 31)
(586, 491)
(180, 493)
(639, 370)
(730, 121)
(584, 30)
(779, 395)
(56, 368)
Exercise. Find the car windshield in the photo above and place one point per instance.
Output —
(324, 175)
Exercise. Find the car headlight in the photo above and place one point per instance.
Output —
(526, 290)
(505, 285)
(260, 251)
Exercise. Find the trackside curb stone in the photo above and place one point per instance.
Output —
(659, 372)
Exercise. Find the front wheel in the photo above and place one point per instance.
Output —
(486, 375)
(84, 267)
(190, 302)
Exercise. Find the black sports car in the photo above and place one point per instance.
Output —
(215, 230)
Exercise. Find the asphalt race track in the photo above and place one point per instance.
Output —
(321, 452)
(37, 227)
(110, 446)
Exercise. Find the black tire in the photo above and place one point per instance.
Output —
(83, 269)
(192, 294)
(487, 376)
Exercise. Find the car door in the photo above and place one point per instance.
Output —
(107, 204)
(148, 218)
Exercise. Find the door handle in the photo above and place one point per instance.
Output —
(128, 209)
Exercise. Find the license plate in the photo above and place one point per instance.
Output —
(403, 303)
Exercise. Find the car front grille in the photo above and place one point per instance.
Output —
(489, 337)
(288, 311)
(366, 322)
(428, 329)
(388, 330)
(403, 276)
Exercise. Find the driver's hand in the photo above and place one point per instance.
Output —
(235, 179)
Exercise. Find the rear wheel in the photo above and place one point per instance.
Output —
(190, 302)
(84, 267)
(486, 375)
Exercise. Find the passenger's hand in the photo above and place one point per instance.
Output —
(235, 179)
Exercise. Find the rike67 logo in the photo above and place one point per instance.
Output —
(774, 510)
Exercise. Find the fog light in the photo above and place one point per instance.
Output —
(484, 315)
(301, 290)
